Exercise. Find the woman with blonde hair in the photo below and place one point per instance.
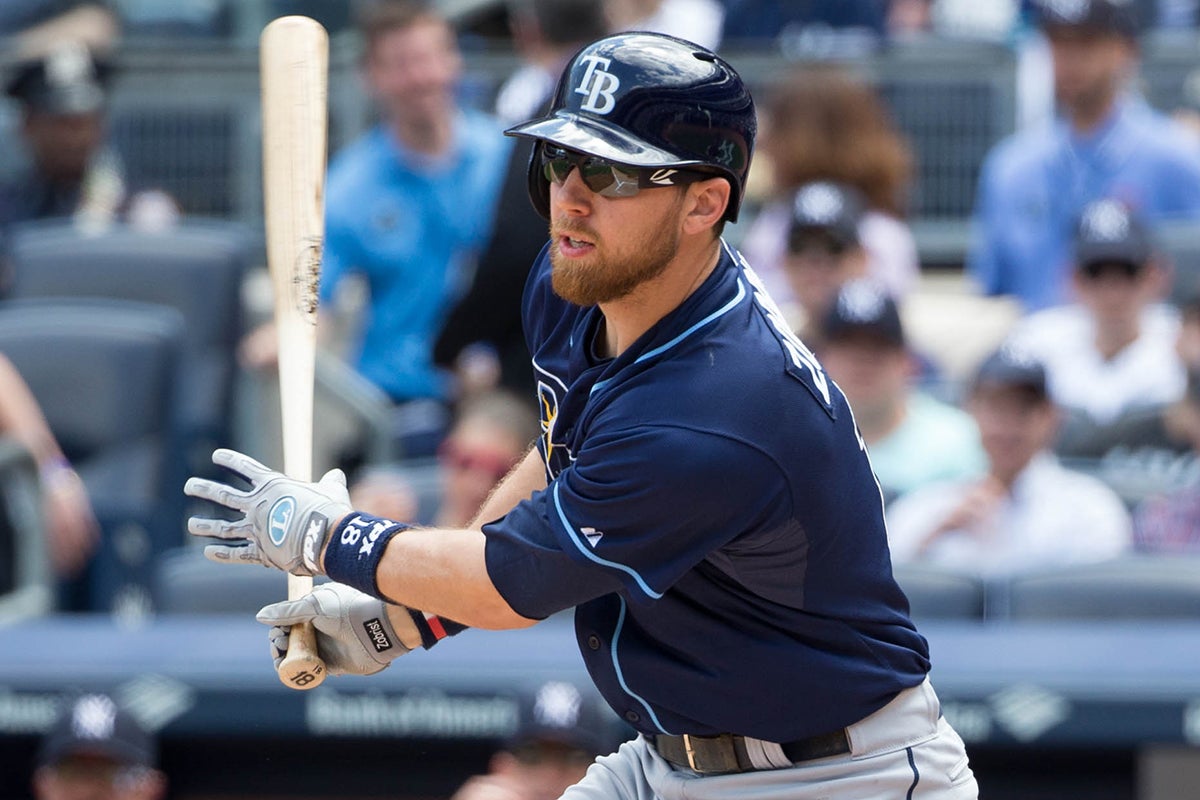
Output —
(824, 123)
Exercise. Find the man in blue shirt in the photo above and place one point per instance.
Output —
(700, 494)
(1106, 144)
(408, 207)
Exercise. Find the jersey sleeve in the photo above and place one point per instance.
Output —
(635, 511)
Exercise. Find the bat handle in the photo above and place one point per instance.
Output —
(302, 668)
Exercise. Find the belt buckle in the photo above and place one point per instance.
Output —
(690, 751)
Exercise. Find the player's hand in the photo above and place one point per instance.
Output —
(355, 635)
(285, 522)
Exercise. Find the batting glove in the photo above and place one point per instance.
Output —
(354, 634)
(285, 522)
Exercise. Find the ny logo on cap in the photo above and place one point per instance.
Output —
(1106, 221)
(94, 717)
(598, 85)
(557, 705)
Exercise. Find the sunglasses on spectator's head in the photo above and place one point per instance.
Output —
(1098, 269)
(609, 179)
(455, 456)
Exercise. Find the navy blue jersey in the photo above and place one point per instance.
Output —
(712, 514)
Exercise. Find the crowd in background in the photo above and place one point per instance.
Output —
(1004, 467)
(427, 210)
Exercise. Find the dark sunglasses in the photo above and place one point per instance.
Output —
(607, 178)
(1098, 269)
(803, 241)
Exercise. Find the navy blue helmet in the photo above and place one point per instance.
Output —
(647, 100)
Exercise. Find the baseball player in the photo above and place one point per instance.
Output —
(700, 494)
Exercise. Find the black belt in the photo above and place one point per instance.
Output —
(715, 755)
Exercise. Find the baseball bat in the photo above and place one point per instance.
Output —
(294, 63)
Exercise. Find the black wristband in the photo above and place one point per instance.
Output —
(434, 628)
(355, 549)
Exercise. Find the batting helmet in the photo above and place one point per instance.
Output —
(647, 100)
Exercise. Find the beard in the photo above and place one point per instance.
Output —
(603, 277)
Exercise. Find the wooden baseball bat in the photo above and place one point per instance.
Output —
(294, 65)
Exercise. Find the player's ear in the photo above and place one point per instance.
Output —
(705, 204)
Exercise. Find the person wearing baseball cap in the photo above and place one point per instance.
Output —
(1106, 143)
(63, 97)
(560, 733)
(1112, 350)
(914, 439)
(97, 750)
(1028, 511)
(823, 252)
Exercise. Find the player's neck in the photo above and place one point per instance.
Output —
(1115, 336)
(629, 317)
(878, 421)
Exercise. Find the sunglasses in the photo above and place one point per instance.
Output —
(802, 242)
(455, 456)
(607, 178)
(1098, 269)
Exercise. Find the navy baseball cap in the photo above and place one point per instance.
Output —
(1101, 16)
(559, 712)
(93, 725)
(67, 80)
(864, 307)
(1011, 366)
(825, 207)
(1108, 232)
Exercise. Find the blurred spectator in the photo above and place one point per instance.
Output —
(913, 439)
(823, 253)
(1107, 143)
(71, 528)
(97, 751)
(824, 124)
(39, 25)
(697, 21)
(1176, 13)
(809, 28)
(1028, 511)
(1113, 349)
(491, 433)
(71, 170)
(559, 736)
(408, 207)
(1150, 442)
(1169, 522)
(482, 337)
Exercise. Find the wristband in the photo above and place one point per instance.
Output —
(434, 628)
(56, 472)
(355, 549)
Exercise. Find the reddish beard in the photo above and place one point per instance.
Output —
(603, 277)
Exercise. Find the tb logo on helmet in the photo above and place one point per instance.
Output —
(598, 85)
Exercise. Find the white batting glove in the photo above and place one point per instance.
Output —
(285, 523)
(354, 634)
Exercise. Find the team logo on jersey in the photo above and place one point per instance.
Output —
(548, 411)
(598, 85)
(280, 518)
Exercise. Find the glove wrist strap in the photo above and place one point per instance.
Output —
(355, 549)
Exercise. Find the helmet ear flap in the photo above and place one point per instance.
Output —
(539, 187)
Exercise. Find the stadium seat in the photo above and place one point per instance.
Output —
(940, 593)
(185, 582)
(196, 268)
(1133, 587)
(104, 373)
(26, 582)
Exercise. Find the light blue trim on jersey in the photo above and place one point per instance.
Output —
(720, 312)
(587, 550)
(621, 676)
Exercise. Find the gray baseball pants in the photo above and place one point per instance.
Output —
(904, 751)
